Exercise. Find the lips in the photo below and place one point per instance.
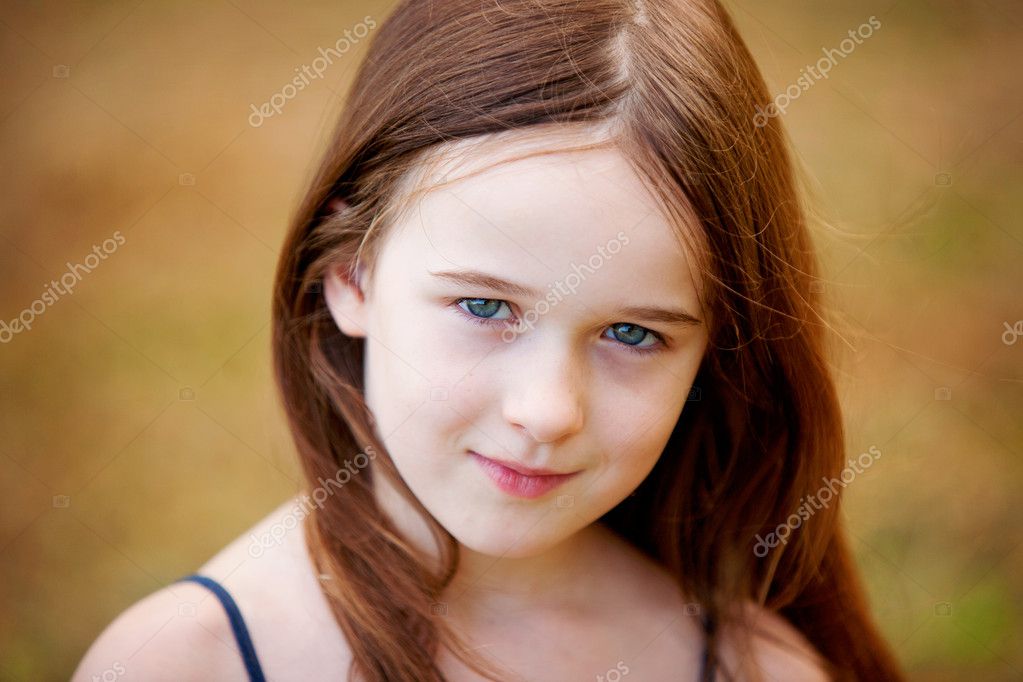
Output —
(519, 480)
(524, 470)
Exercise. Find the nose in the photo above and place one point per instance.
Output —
(544, 395)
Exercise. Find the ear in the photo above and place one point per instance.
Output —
(336, 204)
(344, 294)
(346, 301)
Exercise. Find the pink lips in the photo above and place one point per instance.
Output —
(518, 480)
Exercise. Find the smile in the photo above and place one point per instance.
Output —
(516, 482)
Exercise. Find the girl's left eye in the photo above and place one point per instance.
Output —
(482, 311)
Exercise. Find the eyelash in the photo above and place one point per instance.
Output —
(489, 322)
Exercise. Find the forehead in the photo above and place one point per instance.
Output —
(537, 218)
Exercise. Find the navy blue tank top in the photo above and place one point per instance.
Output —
(251, 661)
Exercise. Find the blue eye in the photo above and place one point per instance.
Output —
(625, 332)
(482, 308)
(481, 311)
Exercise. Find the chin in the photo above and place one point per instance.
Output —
(506, 540)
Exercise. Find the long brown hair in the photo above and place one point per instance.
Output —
(677, 86)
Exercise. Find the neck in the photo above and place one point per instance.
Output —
(485, 587)
(556, 579)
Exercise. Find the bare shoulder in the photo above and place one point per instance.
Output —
(272, 579)
(182, 632)
(779, 650)
(171, 634)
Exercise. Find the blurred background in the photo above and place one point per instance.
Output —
(139, 428)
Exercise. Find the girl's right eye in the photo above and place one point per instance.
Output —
(482, 310)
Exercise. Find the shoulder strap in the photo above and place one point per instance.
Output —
(707, 668)
(241, 633)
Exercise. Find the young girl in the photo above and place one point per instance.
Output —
(548, 339)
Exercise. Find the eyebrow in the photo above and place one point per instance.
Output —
(482, 280)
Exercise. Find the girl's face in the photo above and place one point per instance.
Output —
(541, 313)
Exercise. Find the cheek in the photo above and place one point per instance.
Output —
(632, 438)
(424, 386)
(639, 411)
(453, 362)
(401, 371)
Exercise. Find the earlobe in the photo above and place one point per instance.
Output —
(346, 302)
